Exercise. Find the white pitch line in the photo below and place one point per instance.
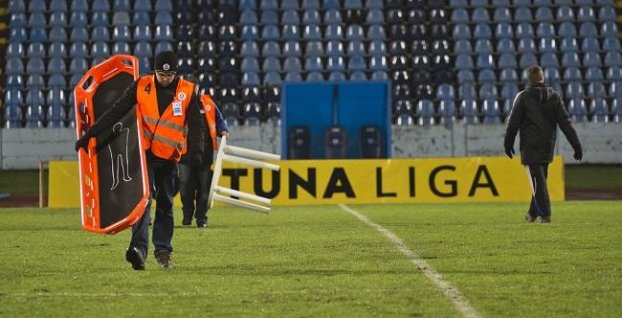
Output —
(456, 297)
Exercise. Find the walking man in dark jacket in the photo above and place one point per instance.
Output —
(537, 111)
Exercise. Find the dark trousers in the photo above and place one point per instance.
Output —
(194, 190)
(540, 203)
(161, 186)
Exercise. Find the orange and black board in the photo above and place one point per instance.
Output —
(114, 185)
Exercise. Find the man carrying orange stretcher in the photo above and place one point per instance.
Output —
(172, 123)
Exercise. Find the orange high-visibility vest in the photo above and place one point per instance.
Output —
(209, 109)
(165, 134)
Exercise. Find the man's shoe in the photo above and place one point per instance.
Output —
(202, 223)
(186, 222)
(136, 257)
(545, 219)
(530, 218)
(163, 257)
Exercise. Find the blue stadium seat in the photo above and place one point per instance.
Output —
(121, 5)
(577, 109)
(271, 33)
(269, 17)
(545, 30)
(463, 47)
(120, 47)
(523, 14)
(163, 5)
(524, 30)
(483, 46)
(480, 15)
(572, 74)
(486, 76)
(18, 20)
(585, 14)
(37, 6)
(574, 89)
(526, 45)
(613, 59)
(56, 66)
(56, 101)
(35, 66)
(565, 14)
(100, 49)
(488, 90)
(356, 48)
(482, 31)
(313, 64)
(249, 33)
(79, 34)
(379, 76)
(570, 59)
(461, 31)
(292, 64)
(15, 49)
(292, 48)
(485, 61)
(37, 19)
(508, 75)
(78, 49)
(544, 14)
(141, 18)
(332, 16)
(291, 32)
(607, 13)
(588, 29)
(447, 111)
(548, 45)
(34, 111)
(358, 76)
(57, 34)
(502, 14)
(590, 45)
(36, 34)
(465, 76)
(445, 92)
(460, 15)
(271, 48)
(378, 63)
(36, 49)
(143, 49)
(14, 66)
(269, 5)
(357, 63)
(491, 111)
(271, 64)
(611, 43)
(599, 110)
(549, 59)
(567, 30)
(248, 5)
(142, 5)
(464, 62)
(142, 33)
(250, 79)
(507, 60)
(272, 79)
(505, 46)
(374, 33)
(376, 48)
(79, 6)
(314, 48)
(249, 48)
(289, 17)
(249, 64)
(334, 48)
(509, 90)
(354, 32)
(569, 45)
(375, 16)
(58, 19)
(614, 73)
(609, 28)
(161, 18)
(592, 59)
(469, 111)
(425, 112)
(467, 91)
(504, 31)
(121, 33)
(596, 90)
(311, 17)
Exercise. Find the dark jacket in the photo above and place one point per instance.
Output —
(196, 126)
(208, 154)
(537, 111)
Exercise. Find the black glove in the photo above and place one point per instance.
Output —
(578, 154)
(197, 160)
(83, 142)
(509, 151)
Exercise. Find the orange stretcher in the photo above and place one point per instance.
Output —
(114, 186)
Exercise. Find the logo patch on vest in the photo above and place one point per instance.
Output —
(177, 111)
(181, 96)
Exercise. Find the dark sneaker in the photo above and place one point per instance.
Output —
(202, 223)
(136, 257)
(545, 219)
(186, 221)
(530, 218)
(163, 257)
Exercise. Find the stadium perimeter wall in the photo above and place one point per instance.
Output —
(25, 148)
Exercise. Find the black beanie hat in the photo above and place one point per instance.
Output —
(166, 61)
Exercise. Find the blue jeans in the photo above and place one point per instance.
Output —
(161, 186)
(540, 202)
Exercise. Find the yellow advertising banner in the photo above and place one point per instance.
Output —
(304, 182)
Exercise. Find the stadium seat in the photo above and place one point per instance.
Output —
(121, 5)
(607, 13)
(523, 15)
(502, 14)
(334, 48)
(58, 19)
(586, 14)
(249, 48)
(121, 48)
(249, 64)
(569, 45)
(524, 30)
(469, 111)
(271, 49)
(592, 59)
(567, 30)
(464, 62)
(461, 31)
(609, 28)
(483, 46)
(376, 48)
(505, 46)
(485, 61)
(614, 73)
(482, 31)
(596, 90)
(588, 29)
(577, 109)
(549, 59)
(572, 74)
(465, 76)
(491, 111)
(291, 33)
(508, 75)
(599, 110)
(467, 91)
(163, 46)
(570, 59)
(574, 90)
(527, 60)
(488, 90)
(504, 31)
(611, 43)
(425, 112)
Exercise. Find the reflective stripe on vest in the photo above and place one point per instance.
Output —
(164, 134)
(209, 108)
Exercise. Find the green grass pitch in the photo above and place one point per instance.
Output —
(321, 261)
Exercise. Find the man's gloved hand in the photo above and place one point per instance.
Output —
(83, 142)
(578, 154)
(196, 160)
(509, 151)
